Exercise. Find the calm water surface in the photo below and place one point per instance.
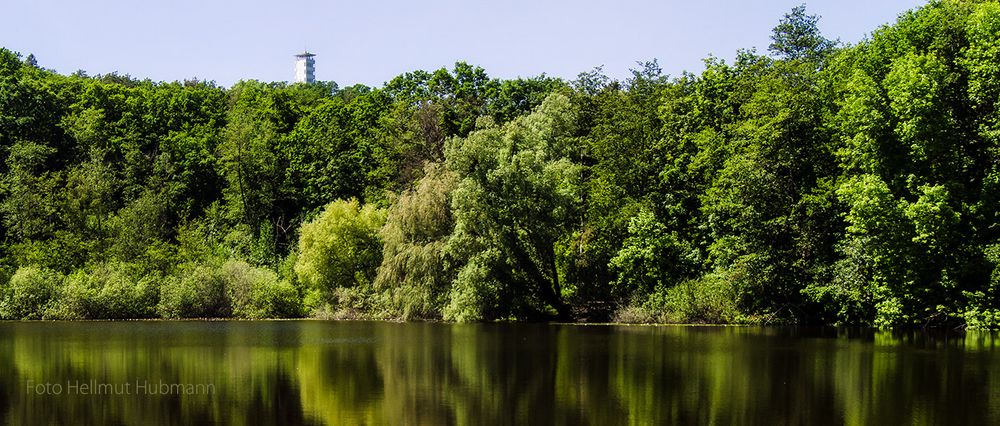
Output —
(317, 372)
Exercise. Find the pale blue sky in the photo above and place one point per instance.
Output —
(372, 41)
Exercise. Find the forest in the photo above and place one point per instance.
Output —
(815, 183)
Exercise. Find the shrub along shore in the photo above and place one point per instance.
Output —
(815, 183)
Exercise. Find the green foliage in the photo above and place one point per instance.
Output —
(106, 291)
(875, 268)
(29, 204)
(199, 291)
(518, 194)
(853, 185)
(982, 57)
(256, 293)
(711, 299)
(28, 293)
(413, 274)
(651, 257)
(230, 289)
(797, 36)
(340, 250)
(983, 306)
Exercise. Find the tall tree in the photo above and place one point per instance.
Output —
(518, 196)
(797, 36)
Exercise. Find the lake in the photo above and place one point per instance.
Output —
(328, 372)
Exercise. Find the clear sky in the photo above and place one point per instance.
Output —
(372, 41)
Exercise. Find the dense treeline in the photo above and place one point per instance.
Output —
(818, 183)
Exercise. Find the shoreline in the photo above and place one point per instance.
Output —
(551, 323)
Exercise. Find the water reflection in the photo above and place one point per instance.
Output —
(314, 372)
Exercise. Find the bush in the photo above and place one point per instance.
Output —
(75, 300)
(106, 291)
(28, 293)
(981, 319)
(709, 299)
(340, 249)
(197, 292)
(124, 296)
(982, 310)
(257, 293)
(233, 289)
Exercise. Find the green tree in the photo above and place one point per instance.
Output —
(414, 273)
(339, 252)
(797, 36)
(518, 197)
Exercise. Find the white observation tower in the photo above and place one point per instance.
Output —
(305, 68)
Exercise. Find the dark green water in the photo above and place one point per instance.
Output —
(316, 372)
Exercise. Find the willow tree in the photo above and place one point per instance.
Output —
(414, 276)
(519, 194)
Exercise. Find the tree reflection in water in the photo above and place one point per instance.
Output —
(317, 372)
